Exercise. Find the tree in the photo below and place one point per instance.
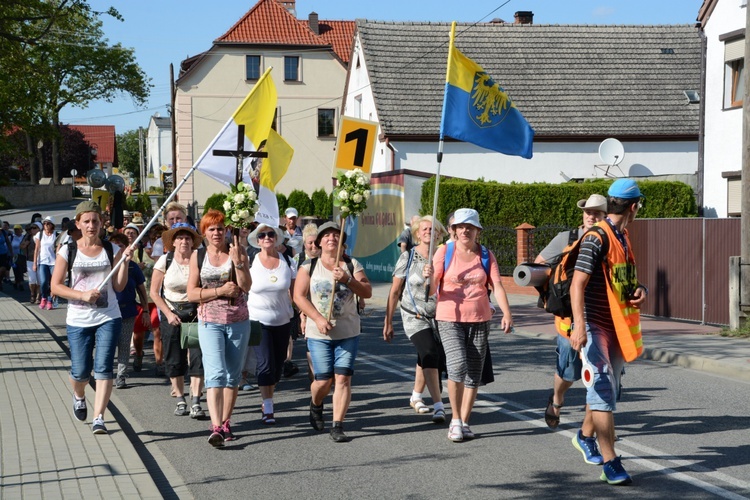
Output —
(301, 201)
(128, 153)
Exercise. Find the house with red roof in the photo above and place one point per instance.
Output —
(103, 143)
(309, 58)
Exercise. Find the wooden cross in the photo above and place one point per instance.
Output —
(240, 154)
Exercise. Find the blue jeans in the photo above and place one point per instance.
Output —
(333, 356)
(568, 361)
(223, 348)
(604, 355)
(44, 273)
(82, 357)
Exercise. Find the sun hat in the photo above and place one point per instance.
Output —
(18, 226)
(132, 226)
(49, 219)
(595, 202)
(627, 189)
(466, 216)
(38, 225)
(252, 238)
(167, 237)
(88, 206)
(137, 219)
(291, 212)
(327, 228)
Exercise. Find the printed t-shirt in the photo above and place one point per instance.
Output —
(344, 304)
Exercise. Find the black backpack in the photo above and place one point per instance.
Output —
(555, 294)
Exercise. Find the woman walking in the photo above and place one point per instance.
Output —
(169, 283)
(93, 316)
(28, 248)
(463, 313)
(224, 327)
(418, 316)
(44, 260)
(332, 344)
(269, 302)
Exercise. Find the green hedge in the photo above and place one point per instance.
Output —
(215, 201)
(542, 204)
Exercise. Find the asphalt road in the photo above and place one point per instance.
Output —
(682, 433)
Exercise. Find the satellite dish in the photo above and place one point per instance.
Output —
(115, 184)
(96, 178)
(611, 151)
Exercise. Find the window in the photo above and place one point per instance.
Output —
(252, 67)
(737, 68)
(291, 69)
(325, 122)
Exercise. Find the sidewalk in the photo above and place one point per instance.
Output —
(45, 452)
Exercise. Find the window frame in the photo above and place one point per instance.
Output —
(260, 66)
(321, 112)
(299, 68)
(736, 70)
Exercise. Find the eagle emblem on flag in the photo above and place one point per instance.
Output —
(489, 100)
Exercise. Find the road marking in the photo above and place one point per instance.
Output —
(522, 413)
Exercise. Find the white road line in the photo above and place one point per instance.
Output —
(521, 412)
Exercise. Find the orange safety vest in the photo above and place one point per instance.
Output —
(621, 279)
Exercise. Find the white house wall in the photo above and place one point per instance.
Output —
(552, 162)
(723, 127)
(217, 86)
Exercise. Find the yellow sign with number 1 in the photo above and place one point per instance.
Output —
(355, 146)
(101, 197)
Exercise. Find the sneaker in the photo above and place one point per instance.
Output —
(614, 473)
(227, 432)
(181, 409)
(43, 303)
(138, 363)
(439, 416)
(79, 409)
(268, 419)
(466, 430)
(120, 382)
(588, 448)
(97, 426)
(216, 439)
(50, 305)
(456, 433)
(337, 434)
(246, 386)
(316, 417)
(290, 369)
(197, 412)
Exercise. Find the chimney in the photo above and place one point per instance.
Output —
(312, 20)
(289, 5)
(523, 17)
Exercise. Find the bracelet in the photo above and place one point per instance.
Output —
(349, 280)
(200, 295)
(240, 266)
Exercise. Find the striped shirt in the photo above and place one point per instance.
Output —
(589, 261)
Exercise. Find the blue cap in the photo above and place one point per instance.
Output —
(626, 189)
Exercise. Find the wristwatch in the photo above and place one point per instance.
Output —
(349, 280)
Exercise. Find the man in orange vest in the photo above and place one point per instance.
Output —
(605, 298)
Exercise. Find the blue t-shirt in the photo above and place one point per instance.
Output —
(126, 298)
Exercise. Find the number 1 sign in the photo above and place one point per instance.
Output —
(355, 146)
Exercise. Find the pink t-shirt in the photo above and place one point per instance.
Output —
(462, 296)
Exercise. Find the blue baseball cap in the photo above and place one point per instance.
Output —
(626, 189)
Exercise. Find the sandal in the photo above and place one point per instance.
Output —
(439, 416)
(456, 433)
(419, 406)
(268, 419)
(550, 418)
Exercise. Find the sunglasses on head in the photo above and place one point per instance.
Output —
(267, 234)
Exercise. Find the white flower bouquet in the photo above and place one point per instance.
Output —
(240, 205)
(351, 193)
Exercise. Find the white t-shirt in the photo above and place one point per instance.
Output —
(157, 249)
(88, 273)
(268, 300)
(175, 279)
(47, 250)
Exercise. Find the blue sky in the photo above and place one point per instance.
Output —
(168, 31)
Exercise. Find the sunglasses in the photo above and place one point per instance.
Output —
(269, 234)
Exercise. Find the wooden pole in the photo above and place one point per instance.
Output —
(338, 257)
(745, 232)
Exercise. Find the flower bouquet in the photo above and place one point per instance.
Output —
(241, 205)
(351, 193)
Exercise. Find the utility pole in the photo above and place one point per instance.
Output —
(745, 234)
(141, 161)
(173, 122)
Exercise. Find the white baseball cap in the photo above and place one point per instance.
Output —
(291, 212)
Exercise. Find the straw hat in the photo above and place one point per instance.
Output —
(252, 238)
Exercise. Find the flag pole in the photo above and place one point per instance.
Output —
(338, 257)
(148, 226)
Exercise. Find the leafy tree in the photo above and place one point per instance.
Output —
(282, 201)
(215, 201)
(128, 153)
(301, 201)
(322, 203)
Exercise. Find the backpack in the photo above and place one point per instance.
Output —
(555, 294)
(484, 257)
(73, 251)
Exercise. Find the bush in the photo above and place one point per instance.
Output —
(156, 190)
(301, 201)
(140, 203)
(542, 204)
(322, 204)
(283, 204)
(4, 204)
(215, 201)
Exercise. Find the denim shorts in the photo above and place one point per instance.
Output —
(223, 348)
(82, 356)
(331, 357)
(568, 361)
(603, 353)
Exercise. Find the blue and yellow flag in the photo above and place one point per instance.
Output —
(479, 111)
